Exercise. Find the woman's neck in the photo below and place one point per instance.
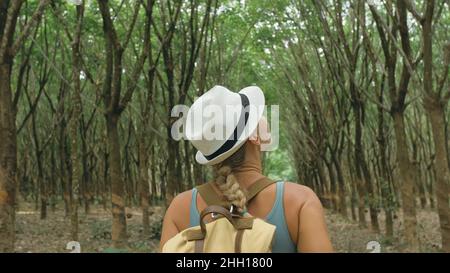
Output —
(248, 177)
(251, 170)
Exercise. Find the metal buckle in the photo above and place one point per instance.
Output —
(214, 215)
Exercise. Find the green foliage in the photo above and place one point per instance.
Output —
(101, 229)
(115, 250)
(294, 50)
(155, 229)
(275, 166)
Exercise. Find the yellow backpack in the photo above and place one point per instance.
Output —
(227, 232)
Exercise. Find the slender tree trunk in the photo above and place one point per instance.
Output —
(333, 186)
(153, 175)
(64, 181)
(52, 178)
(143, 185)
(353, 195)
(86, 176)
(407, 184)
(435, 108)
(384, 177)
(436, 115)
(198, 171)
(77, 176)
(322, 182)
(172, 186)
(8, 160)
(76, 166)
(187, 164)
(43, 188)
(119, 226)
(342, 189)
(163, 179)
(105, 179)
(9, 13)
(359, 156)
(114, 106)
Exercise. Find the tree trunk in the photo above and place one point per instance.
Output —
(143, 185)
(77, 177)
(322, 182)
(359, 157)
(119, 225)
(76, 168)
(333, 187)
(105, 178)
(198, 170)
(163, 179)
(85, 178)
(407, 184)
(64, 181)
(436, 115)
(172, 178)
(384, 178)
(187, 164)
(8, 160)
(388, 203)
(342, 189)
(153, 175)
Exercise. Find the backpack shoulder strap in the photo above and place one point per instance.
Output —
(212, 195)
(258, 186)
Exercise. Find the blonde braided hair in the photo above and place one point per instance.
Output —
(227, 182)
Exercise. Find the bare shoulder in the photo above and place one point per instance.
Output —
(175, 217)
(300, 202)
(308, 226)
(181, 200)
(300, 195)
(297, 191)
(179, 208)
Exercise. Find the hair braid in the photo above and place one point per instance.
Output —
(227, 182)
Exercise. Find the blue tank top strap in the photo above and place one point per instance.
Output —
(276, 205)
(194, 216)
(283, 242)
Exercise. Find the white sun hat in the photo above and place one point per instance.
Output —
(220, 122)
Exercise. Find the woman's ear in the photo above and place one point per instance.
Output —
(254, 140)
(254, 137)
(262, 133)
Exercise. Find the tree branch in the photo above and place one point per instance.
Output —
(443, 78)
(8, 29)
(35, 18)
(411, 7)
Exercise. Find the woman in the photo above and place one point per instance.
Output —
(294, 209)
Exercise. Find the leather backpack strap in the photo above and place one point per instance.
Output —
(212, 195)
(258, 186)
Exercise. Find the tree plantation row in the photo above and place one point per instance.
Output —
(87, 89)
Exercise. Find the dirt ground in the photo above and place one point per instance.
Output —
(53, 234)
(347, 236)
